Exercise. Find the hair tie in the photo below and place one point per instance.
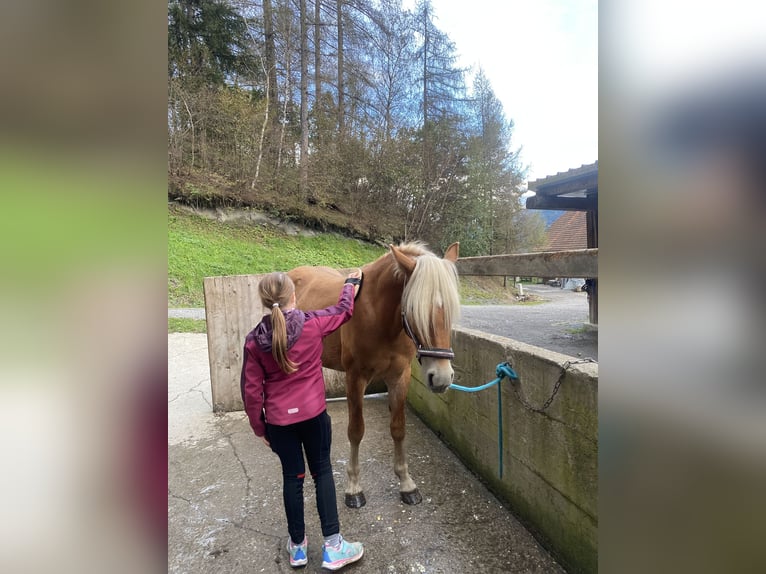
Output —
(275, 305)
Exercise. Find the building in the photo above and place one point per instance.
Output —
(575, 191)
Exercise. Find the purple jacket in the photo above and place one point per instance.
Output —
(271, 395)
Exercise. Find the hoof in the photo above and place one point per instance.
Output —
(355, 500)
(411, 497)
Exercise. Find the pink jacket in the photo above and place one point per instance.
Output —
(271, 395)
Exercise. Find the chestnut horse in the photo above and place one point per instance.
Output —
(405, 307)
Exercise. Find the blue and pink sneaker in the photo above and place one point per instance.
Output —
(336, 557)
(298, 552)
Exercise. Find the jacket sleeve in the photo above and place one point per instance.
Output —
(251, 385)
(333, 317)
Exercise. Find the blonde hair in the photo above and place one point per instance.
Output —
(275, 290)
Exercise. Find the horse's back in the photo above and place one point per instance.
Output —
(316, 287)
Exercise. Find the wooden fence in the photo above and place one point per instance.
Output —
(574, 263)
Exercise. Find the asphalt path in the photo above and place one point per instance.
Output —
(559, 321)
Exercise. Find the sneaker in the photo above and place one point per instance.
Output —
(297, 552)
(336, 557)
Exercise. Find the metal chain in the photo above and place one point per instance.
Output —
(547, 403)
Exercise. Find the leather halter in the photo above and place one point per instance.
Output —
(422, 351)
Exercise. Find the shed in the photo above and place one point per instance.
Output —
(573, 190)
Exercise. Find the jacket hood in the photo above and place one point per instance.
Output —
(294, 320)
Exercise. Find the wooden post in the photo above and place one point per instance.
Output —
(591, 225)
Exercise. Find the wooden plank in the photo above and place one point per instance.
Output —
(232, 309)
(574, 263)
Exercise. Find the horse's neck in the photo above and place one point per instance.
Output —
(386, 292)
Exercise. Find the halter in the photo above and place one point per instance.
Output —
(422, 351)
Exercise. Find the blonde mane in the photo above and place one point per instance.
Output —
(434, 283)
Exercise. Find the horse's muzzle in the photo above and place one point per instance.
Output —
(438, 377)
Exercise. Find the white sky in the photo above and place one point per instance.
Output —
(541, 57)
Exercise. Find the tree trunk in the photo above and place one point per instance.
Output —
(304, 163)
(341, 87)
(272, 96)
(318, 69)
(317, 53)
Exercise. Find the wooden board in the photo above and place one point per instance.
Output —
(574, 263)
(232, 309)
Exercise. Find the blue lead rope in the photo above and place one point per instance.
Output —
(502, 370)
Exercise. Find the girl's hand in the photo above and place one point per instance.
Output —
(266, 442)
(355, 275)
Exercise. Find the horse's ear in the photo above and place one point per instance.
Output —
(452, 252)
(405, 262)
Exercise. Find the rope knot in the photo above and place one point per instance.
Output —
(505, 370)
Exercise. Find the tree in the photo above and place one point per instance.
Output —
(207, 40)
(304, 54)
(390, 137)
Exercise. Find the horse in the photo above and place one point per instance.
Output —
(405, 308)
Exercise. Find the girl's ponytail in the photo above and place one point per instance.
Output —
(275, 290)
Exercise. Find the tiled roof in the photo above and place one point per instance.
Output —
(568, 232)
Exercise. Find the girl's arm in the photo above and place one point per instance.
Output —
(333, 317)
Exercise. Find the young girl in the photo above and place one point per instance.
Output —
(284, 395)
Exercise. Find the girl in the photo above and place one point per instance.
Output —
(284, 395)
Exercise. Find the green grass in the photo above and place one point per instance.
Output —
(577, 330)
(177, 325)
(200, 247)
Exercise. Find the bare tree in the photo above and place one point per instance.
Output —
(304, 163)
(341, 86)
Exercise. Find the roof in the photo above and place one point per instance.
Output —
(575, 190)
(569, 231)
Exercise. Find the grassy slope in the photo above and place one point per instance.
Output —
(200, 247)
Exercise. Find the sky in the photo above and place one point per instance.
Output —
(541, 57)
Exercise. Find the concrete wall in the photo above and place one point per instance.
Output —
(550, 460)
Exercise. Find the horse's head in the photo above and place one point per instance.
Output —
(430, 304)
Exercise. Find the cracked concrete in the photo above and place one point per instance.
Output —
(225, 494)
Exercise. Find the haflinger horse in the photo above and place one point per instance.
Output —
(405, 307)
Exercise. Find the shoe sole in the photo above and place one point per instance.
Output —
(341, 563)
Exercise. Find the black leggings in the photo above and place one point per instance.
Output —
(289, 442)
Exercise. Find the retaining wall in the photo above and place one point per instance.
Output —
(550, 460)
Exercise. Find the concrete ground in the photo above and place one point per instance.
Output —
(225, 500)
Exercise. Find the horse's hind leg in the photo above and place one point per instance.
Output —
(397, 394)
(354, 396)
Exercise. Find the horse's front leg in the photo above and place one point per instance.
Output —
(397, 394)
(355, 385)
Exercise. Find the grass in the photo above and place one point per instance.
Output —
(475, 290)
(577, 330)
(200, 247)
(177, 325)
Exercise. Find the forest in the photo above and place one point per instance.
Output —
(345, 115)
